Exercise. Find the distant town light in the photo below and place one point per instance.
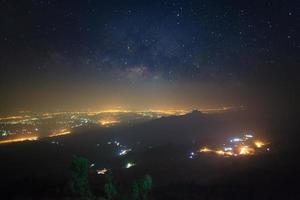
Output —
(227, 148)
(236, 140)
(124, 152)
(60, 133)
(259, 144)
(245, 150)
(102, 171)
(19, 139)
(129, 165)
(205, 149)
(242, 146)
(108, 122)
(220, 152)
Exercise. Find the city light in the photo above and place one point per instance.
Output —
(245, 150)
(108, 122)
(63, 123)
(220, 152)
(245, 145)
(129, 165)
(259, 144)
(205, 149)
(236, 140)
(19, 140)
(124, 152)
(102, 171)
(60, 133)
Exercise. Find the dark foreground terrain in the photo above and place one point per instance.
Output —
(160, 148)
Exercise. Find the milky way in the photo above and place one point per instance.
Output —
(181, 52)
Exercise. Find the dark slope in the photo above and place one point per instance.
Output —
(194, 126)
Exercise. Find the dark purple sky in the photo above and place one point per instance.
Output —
(141, 54)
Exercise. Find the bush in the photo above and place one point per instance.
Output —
(79, 184)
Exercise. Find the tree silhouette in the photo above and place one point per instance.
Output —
(145, 186)
(79, 183)
(135, 191)
(110, 188)
(141, 189)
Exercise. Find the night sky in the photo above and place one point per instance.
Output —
(74, 55)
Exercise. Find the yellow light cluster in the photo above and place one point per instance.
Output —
(218, 152)
(108, 122)
(259, 144)
(19, 140)
(242, 150)
(60, 133)
(102, 171)
(14, 117)
(205, 149)
(245, 150)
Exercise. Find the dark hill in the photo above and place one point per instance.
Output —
(192, 127)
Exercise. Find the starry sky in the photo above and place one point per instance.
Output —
(94, 54)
